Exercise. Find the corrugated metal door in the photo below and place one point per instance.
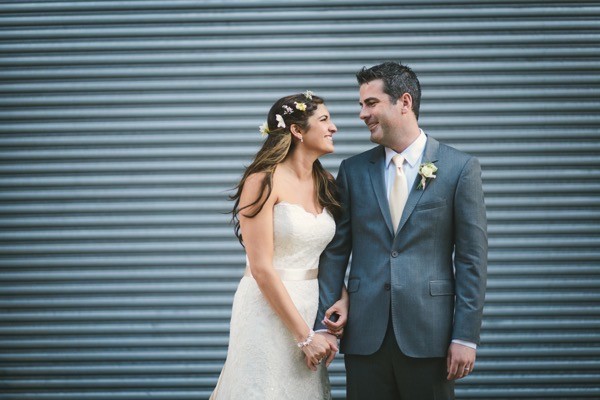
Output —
(124, 123)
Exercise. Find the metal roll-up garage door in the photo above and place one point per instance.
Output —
(123, 124)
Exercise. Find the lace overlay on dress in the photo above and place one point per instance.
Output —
(263, 361)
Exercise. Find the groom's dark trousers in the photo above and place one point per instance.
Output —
(390, 375)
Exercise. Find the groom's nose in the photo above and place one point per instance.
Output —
(363, 113)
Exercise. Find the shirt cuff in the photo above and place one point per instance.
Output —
(468, 344)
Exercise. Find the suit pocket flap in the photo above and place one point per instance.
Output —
(441, 288)
(353, 285)
(431, 205)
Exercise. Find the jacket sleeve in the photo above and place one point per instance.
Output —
(334, 260)
(470, 253)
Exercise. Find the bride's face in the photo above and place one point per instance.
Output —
(319, 136)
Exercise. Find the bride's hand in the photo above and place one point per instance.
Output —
(318, 349)
(341, 309)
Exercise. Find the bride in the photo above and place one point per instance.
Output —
(284, 216)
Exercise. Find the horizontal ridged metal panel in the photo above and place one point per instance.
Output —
(124, 124)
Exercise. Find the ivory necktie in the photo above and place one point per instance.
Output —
(399, 192)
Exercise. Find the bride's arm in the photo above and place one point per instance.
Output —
(257, 234)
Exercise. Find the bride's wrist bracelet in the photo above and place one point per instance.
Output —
(308, 340)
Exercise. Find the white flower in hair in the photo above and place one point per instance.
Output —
(264, 129)
(287, 109)
(308, 94)
(300, 106)
(280, 122)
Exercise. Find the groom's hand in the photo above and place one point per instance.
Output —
(332, 340)
(460, 361)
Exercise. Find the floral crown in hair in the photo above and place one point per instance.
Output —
(264, 128)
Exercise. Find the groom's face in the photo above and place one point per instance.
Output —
(382, 117)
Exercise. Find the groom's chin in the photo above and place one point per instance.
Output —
(375, 139)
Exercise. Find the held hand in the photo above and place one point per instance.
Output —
(318, 349)
(332, 346)
(341, 309)
(460, 361)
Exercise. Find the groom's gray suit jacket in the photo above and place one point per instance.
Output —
(431, 272)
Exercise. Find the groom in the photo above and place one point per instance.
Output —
(414, 221)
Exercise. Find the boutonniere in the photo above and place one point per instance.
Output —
(427, 171)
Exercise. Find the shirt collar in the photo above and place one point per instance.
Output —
(412, 153)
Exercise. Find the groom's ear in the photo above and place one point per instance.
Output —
(405, 103)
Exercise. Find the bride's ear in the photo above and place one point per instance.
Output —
(296, 131)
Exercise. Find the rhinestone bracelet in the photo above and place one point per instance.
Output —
(309, 339)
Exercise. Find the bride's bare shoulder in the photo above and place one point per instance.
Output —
(256, 190)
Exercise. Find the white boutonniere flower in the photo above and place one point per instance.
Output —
(264, 129)
(280, 122)
(300, 106)
(427, 171)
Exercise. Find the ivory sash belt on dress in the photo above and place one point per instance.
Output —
(292, 274)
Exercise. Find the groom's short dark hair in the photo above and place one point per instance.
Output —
(397, 80)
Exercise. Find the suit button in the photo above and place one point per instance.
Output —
(387, 286)
(394, 254)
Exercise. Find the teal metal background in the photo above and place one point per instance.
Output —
(123, 124)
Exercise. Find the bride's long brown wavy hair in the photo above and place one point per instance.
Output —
(275, 149)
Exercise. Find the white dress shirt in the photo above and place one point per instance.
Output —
(413, 156)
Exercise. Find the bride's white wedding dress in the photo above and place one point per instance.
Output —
(263, 361)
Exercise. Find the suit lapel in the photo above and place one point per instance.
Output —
(377, 171)
(429, 155)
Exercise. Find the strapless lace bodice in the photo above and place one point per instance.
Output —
(299, 236)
